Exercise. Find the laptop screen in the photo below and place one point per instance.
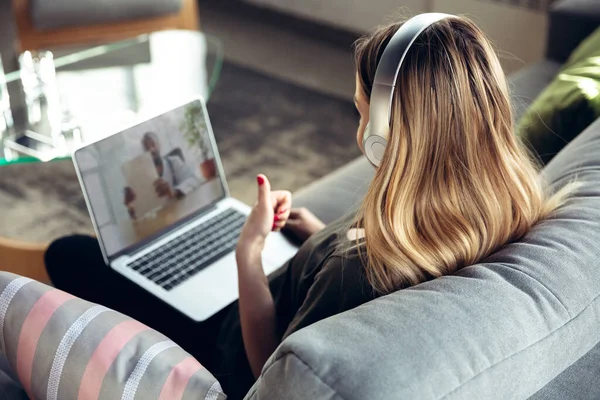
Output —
(144, 181)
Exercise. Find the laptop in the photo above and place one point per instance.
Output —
(161, 209)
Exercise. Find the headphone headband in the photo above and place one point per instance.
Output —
(386, 76)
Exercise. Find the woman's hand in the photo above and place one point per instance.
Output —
(257, 307)
(303, 223)
(163, 189)
(269, 213)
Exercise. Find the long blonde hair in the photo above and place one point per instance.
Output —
(455, 184)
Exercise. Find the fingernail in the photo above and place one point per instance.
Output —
(260, 180)
(274, 226)
(283, 210)
(276, 218)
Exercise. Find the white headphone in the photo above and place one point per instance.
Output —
(382, 93)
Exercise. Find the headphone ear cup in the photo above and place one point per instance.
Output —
(373, 146)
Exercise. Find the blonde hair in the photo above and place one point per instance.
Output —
(455, 184)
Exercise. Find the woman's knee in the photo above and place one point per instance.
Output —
(70, 252)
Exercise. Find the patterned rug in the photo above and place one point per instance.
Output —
(261, 124)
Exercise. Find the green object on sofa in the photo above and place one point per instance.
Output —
(568, 105)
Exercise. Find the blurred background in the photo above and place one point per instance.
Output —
(285, 32)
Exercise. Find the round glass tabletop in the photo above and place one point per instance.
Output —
(102, 89)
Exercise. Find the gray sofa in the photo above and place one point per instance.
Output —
(523, 324)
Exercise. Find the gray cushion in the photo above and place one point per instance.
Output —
(49, 14)
(9, 389)
(526, 84)
(9, 386)
(578, 382)
(500, 329)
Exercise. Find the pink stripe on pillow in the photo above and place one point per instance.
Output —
(32, 328)
(178, 379)
(104, 355)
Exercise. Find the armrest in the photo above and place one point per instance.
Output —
(571, 21)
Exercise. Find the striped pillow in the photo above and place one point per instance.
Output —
(61, 347)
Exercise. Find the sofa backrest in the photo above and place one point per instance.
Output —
(500, 329)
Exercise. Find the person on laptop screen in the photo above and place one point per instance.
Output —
(175, 176)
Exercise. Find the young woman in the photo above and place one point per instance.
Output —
(454, 185)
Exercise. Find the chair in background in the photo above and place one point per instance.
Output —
(22, 258)
(48, 24)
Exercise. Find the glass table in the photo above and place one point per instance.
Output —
(105, 88)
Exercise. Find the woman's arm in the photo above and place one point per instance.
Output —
(257, 308)
(303, 224)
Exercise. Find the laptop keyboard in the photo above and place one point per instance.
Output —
(183, 257)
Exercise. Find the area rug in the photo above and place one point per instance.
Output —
(262, 125)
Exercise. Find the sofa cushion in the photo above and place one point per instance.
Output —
(67, 13)
(500, 329)
(61, 347)
(9, 386)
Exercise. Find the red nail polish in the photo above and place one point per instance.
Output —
(274, 226)
(282, 211)
(260, 180)
(276, 218)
